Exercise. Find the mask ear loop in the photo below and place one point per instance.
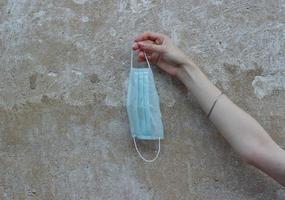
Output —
(146, 160)
(146, 59)
(132, 55)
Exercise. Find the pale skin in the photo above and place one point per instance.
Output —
(243, 132)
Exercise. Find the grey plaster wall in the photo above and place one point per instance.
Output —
(63, 73)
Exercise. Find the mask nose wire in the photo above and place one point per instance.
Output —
(146, 160)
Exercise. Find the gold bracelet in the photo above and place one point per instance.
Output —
(214, 104)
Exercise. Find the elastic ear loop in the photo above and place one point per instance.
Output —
(134, 139)
(146, 59)
(132, 56)
(146, 160)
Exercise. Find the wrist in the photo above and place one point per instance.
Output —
(188, 70)
(199, 85)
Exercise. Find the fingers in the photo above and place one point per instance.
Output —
(141, 56)
(136, 46)
(152, 57)
(151, 47)
(156, 37)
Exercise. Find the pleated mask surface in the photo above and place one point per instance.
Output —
(143, 106)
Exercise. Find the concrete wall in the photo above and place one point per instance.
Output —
(63, 72)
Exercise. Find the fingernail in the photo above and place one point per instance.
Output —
(141, 44)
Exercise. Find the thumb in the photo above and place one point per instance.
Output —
(152, 47)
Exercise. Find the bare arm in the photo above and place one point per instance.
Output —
(243, 132)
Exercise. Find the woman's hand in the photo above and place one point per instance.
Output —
(161, 51)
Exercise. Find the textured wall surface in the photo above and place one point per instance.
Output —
(63, 73)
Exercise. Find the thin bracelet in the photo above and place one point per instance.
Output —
(214, 105)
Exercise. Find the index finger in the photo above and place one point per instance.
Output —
(135, 46)
(149, 36)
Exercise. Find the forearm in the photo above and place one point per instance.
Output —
(199, 85)
(235, 125)
(243, 132)
(249, 139)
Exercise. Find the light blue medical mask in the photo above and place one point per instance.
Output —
(143, 107)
